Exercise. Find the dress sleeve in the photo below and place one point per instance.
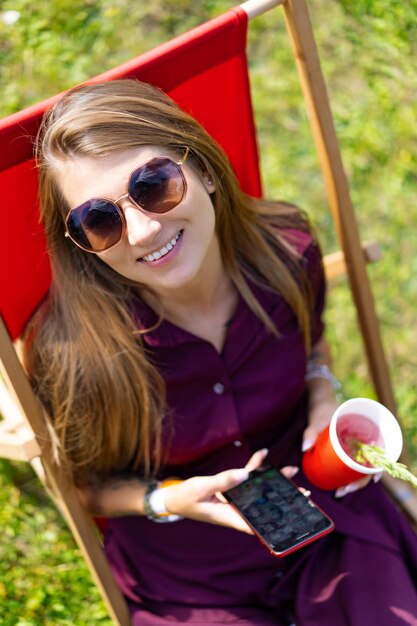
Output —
(308, 250)
(313, 265)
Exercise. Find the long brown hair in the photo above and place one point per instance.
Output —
(83, 353)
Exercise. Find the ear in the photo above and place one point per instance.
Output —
(208, 183)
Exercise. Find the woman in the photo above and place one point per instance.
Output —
(174, 343)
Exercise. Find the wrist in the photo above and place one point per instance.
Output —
(323, 385)
(320, 391)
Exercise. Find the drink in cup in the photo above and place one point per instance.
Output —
(331, 464)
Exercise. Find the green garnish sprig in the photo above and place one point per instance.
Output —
(378, 458)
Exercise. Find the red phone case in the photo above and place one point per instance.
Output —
(298, 542)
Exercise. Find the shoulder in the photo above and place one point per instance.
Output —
(299, 240)
(302, 245)
(304, 252)
(288, 225)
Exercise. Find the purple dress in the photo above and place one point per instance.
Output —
(222, 408)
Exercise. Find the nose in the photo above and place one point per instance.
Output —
(141, 227)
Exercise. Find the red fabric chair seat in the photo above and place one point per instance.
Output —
(204, 71)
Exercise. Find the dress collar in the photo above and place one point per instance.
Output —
(162, 333)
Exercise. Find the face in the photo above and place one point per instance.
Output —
(166, 251)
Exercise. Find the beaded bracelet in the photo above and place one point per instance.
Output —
(320, 370)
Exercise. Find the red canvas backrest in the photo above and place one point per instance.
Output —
(204, 71)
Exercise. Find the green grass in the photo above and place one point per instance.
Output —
(43, 579)
(368, 56)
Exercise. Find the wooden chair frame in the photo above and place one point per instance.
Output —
(24, 415)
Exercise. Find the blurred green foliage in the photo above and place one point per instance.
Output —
(368, 53)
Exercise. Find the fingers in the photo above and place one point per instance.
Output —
(377, 477)
(319, 416)
(199, 498)
(289, 471)
(256, 459)
(222, 515)
(202, 488)
(206, 486)
(309, 438)
(352, 487)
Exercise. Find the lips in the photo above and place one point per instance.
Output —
(158, 254)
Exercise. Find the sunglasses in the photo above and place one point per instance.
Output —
(155, 187)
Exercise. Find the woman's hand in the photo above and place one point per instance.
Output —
(319, 416)
(197, 498)
(200, 498)
(322, 405)
(356, 485)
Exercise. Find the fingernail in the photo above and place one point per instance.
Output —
(240, 474)
(343, 491)
(264, 451)
(307, 493)
(292, 470)
(377, 477)
(306, 445)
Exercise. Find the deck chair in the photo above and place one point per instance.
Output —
(201, 62)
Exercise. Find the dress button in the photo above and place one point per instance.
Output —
(218, 388)
(237, 443)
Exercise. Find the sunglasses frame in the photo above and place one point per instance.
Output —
(120, 212)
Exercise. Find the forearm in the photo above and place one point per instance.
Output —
(320, 387)
(322, 401)
(115, 497)
(195, 498)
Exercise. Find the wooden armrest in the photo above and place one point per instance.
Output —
(17, 440)
(19, 445)
(334, 264)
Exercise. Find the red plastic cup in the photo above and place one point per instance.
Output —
(328, 466)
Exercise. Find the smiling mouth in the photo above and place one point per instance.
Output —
(158, 254)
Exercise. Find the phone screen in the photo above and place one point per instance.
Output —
(281, 516)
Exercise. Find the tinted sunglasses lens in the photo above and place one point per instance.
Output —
(95, 225)
(158, 186)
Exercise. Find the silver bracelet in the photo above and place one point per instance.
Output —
(320, 370)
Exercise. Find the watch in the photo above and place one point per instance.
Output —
(154, 503)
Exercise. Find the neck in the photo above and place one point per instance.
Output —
(204, 300)
(204, 307)
(208, 316)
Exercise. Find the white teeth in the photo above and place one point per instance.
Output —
(163, 251)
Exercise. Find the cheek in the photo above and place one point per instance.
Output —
(113, 258)
(206, 220)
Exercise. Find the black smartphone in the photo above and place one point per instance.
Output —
(279, 514)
